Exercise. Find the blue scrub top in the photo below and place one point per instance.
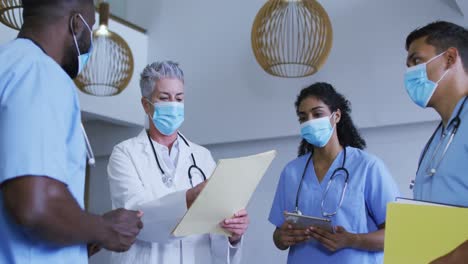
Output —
(370, 188)
(450, 182)
(40, 135)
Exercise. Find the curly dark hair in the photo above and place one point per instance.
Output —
(348, 135)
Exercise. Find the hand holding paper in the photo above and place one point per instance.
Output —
(227, 192)
(193, 193)
(237, 225)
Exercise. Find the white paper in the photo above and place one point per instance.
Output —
(228, 190)
(419, 202)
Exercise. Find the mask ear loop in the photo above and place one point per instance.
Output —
(435, 57)
(86, 24)
(74, 36)
(445, 73)
(90, 33)
(151, 103)
(333, 115)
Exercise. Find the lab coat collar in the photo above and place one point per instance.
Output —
(142, 139)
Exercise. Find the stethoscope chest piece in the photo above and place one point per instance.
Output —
(167, 179)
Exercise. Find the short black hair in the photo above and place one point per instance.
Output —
(443, 35)
(34, 3)
(52, 8)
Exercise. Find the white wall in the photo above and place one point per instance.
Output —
(118, 7)
(7, 34)
(399, 147)
(463, 6)
(211, 40)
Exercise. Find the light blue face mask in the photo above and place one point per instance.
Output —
(83, 58)
(168, 116)
(318, 131)
(420, 89)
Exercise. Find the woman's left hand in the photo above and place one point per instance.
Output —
(237, 225)
(334, 242)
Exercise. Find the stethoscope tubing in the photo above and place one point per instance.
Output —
(193, 166)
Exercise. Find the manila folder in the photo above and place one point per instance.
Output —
(228, 190)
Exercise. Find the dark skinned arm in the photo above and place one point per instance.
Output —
(373, 241)
(288, 235)
(46, 209)
(458, 256)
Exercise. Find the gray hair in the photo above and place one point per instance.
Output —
(157, 71)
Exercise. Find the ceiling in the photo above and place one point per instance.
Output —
(462, 6)
(131, 11)
(137, 12)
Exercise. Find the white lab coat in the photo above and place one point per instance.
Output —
(135, 180)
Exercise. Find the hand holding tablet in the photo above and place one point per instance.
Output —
(304, 221)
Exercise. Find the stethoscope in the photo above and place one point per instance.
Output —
(456, 124)
(89, 151)
(190, 169)
(335, 172)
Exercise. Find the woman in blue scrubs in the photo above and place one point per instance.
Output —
(332, 178)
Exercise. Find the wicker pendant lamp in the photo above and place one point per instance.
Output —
(291, 38)
(11, 13)
(110, 66)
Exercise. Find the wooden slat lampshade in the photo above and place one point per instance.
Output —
(11, 13)
(292, 38)
(110, 66)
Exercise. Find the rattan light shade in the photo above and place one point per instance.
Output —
(11, 13)
(292, 38)
(110, 66)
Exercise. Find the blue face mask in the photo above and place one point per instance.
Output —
(168, 116)
(420, 89)
(317, 131)
(83, 58)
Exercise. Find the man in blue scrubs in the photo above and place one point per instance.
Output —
(42, 147)
(437, 77)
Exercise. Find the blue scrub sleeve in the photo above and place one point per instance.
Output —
(277, 208)
(380, 189)
(34, 127)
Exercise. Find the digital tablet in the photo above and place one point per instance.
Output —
(304, 221)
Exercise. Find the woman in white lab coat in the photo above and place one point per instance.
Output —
(162, 170)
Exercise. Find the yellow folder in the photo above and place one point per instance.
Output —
(421, 233)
